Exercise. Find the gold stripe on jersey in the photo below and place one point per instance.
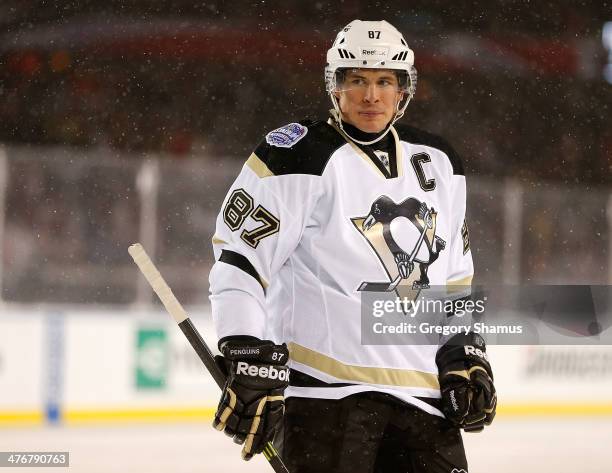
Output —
(258, 166)
(218, 241)
(466, 281)
(399, 155)
(362, 374)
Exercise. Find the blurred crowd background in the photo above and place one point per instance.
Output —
(125, 121)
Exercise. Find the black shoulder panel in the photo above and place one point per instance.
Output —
(309, 155)
(420, 137)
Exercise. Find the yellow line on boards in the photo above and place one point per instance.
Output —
(206, 414)
(138, 415)
(21, 418)
(548, 409)
(101, 416)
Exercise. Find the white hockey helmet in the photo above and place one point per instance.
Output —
(371, 45)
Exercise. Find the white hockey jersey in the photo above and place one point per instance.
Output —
(310, 219)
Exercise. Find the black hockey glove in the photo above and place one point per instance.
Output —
(466, 382)
(252, 402)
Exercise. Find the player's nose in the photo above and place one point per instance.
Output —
(372, 93)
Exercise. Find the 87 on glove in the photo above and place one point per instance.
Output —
(252, 403)
(469, 399)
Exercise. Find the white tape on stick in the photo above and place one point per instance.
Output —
(155, 279)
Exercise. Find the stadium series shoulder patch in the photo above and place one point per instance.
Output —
(286, 136)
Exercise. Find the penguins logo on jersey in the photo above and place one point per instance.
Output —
(403, 236)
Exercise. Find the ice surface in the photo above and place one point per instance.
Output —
(509, 446)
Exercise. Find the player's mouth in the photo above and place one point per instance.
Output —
(371, 114)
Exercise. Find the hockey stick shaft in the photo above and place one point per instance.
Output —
(175, 309)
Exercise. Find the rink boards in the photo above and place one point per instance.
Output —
(111, 366)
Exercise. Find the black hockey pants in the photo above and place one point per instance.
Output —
(367, 433)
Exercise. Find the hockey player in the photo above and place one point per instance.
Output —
(319, 211)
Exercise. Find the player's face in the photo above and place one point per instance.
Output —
(368, 98)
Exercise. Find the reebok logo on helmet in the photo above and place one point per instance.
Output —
(373, 52)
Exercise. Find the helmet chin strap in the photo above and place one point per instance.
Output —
(337, 115)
